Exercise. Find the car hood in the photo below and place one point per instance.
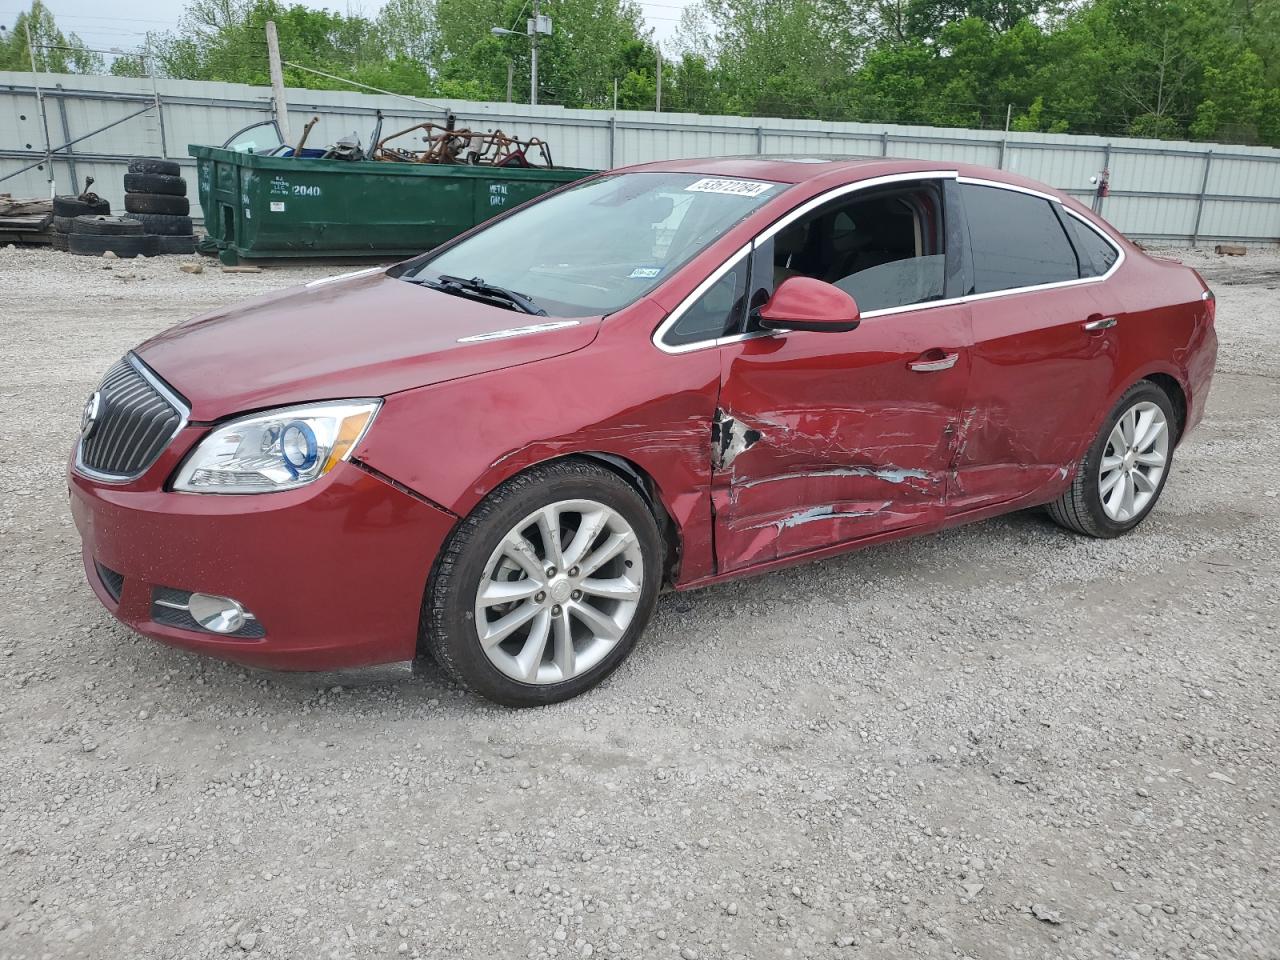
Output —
(360, 335)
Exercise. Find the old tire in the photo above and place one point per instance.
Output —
(1132, 454)
(58, 241)
(63, 224)
(124, 247)
(157, 203)
(106, 226)
(168, 168)
(175, 245)
(571, 637)
(155, 183)
(163, 224)
(71, 207)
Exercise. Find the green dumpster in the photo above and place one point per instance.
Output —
(261, 207)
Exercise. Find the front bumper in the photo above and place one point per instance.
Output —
(334, 571)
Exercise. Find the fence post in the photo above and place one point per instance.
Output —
(1204, 188)
(1106, 167)
(66, 138)
(760, 141)
(613, 142)
(155, 93)
(884, 143)
(1004, 144)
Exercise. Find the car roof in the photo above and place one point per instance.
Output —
(831, 170)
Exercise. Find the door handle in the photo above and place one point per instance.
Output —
(933, 361)
(1096, 323)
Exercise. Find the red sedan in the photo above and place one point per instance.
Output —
(498, 453)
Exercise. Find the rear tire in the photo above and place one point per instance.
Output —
(1094, 504)
(571, 635)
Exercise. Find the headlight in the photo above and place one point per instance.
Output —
(278, 450)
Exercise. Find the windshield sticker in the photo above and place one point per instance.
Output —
(737, 188)
(644, 273)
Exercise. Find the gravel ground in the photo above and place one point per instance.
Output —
(1003, 741)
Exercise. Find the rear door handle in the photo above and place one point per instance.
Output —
(1100, 323)
(933, 361)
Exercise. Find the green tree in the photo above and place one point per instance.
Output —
(55, 51)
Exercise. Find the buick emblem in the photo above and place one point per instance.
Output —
(89, 416)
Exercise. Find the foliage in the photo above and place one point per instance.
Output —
(55, 51)
(1204, 69)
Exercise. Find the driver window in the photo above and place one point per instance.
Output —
(884, 247)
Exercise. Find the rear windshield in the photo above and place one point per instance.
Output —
(597, 247)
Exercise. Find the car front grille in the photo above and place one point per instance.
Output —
(137, 416)
(112, 582)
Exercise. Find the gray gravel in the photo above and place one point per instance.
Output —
(1003, 741)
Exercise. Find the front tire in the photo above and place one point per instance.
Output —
(541, 592)
(1125, 468)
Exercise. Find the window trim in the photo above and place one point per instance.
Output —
(814, 202)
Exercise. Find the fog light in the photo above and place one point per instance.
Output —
(218, 614)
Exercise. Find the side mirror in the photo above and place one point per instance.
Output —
(803, 303)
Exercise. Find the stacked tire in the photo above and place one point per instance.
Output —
(156, 197)
(65, 211)
(123, 237)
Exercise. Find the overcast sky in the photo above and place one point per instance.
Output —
(112, 24)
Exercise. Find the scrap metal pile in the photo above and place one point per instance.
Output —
(449, 144)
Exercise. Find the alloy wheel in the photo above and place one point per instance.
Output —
(559, 592)
(1134, 461)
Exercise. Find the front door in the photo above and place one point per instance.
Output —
(827, 438)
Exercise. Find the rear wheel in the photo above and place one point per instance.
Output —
(1124, 471)
(541, 593)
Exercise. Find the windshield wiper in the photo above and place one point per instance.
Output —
(449, 284)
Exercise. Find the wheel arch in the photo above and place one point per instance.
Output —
(1177, 395)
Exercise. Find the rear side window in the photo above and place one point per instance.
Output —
(1097, 255)
(1016, 240)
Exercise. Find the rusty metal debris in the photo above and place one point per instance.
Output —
(450, 144)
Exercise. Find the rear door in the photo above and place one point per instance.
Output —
(1043, 354)
(829, 438)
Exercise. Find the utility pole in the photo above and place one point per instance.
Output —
(277, 82)
(1008, 118)
(533, 56)
(615, 94)
(658, 103)
(511, 69)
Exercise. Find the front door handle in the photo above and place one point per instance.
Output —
(933, 361)
(1095, 323)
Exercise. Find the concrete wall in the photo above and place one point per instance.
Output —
(1172, 193)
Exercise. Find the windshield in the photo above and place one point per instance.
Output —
(595, 248)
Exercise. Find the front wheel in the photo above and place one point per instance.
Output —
(542, 591)
(1125, 469)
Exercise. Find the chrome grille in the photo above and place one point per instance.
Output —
(137, 417)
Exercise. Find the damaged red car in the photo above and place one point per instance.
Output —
(498, 453)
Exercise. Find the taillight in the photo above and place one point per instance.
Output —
(1211, 305)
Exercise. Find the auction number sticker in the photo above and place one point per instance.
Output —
(737, 188)
(277, 206)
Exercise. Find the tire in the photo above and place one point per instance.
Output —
(124, 247)
(155, 183)
(105, 226)
(175, 245)
(163, 224)
(167, 168)
(63, 224)
(71, 207)
(58, 241)
(1082, 507)
(451, 602)
(157, 203)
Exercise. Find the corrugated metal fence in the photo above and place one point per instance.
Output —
(1172, 193)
